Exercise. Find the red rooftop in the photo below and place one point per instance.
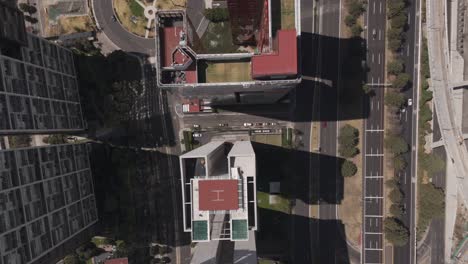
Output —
(218, 195)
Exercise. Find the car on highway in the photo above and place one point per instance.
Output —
(374, 33)
(222, 125)
(197, 135)
(248, 124)
(410, 102)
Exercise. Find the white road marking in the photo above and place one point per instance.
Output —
(373, 215)
(405, 176)
(375, 155)
(379, 60)
(380, 7)
(372, 57)
(374, 177)
(380, 34)
(409, 20)
(371, 104)
(372, 249)
(378, 105)
(374, 7)
(373, 233)
(406, 116)
(407, 51)
(373, 197)
(374, 130)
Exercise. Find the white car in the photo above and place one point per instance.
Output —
(248, 124)
(410, 102)
(197, 135)
(196, 126)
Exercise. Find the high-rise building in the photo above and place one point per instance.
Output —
(47, 203)
(219, 200)
(38, 85)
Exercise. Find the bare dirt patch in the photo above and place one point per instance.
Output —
(75, 24)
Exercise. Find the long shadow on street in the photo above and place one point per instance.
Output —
(321, 73)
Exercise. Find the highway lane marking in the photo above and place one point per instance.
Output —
(373, 216)
(371, 104)
(380, 34)
(372, 57)
(380, 8)
(373, 197)
(374, 130)
(374, 177)
(372, 233)
(407, 50)
(409, 20)
(375, 155)
(378, 105)
(373, 249)
(374, 7)
(379, 59)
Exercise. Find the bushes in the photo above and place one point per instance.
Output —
(348, 140)
(348, 169)
(401, 80)
(431, 205)
(396, 144)
(355, 10)
(217, 15)
(394, 99)
(395, 67)
(395, 231)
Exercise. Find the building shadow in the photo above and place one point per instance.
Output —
(334, 72)
(299, 173)
(134, 195)
(298, 239)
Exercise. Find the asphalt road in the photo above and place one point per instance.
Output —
(103, 12)
(372, 249)
(409, 53)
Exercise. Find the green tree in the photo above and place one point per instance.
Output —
(394, 99)
(30, 19)
(27, 8)
(121, 249)
(348, 169)
(395, 7)
(350, 21)
(55, 139)
(401, 80)
(396, 210)
(72, 259)
(348, 140)
(356, 8)
(217, 15)
(399, 163)
(395, 67)
(356, 30)
(396, 144)
(431, 163)
(399, 21)
(20, 141)
(395, 231)
(431, 204)
(395, 196)
(367, 89)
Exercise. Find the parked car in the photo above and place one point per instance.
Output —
(259, 124)
(196, 126)
(247, 124)
(273, 124)
(265, 124)
(197, 135)
(222, 124)
(410, 102)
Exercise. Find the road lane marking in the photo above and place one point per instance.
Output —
(374, 7)
(409, 20)
(372, 249)
(372, 57)
(378, 105)
(374, 177)
(378, 216)
(380, 7)
(379, 59)
(373, 197)
(371, 104)
(375, 155)
(374, 130)
(372, 233)
(380, 34)
(407, 50)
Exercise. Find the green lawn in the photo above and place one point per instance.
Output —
(218, 39)
(136, 9)
(214, 72)
(267, 139)
(283, 204)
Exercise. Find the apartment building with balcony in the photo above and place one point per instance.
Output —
(47, 203)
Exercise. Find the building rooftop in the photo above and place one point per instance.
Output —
(282, 62)
(218, 195)
(117, 261)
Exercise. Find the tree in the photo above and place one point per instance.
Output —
(431, 163)
(394, 99)
(395, 67)
(399, 21)
(350, 21)
(399, 163)
(20, 141)
(395, 231)
(55, 139)
(121, 249)
(217, 15)
(356, 8)
(27, 8)
(72, 259)
(392, 184)
(348, 169)
(31, 19)
(356, 30)
(401, 80)
(395, 7)
(396, 144)
(348, 140)
(396, 210)
(395, 196)
(367, 89)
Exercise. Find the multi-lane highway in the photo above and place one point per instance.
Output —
(372, 237)
(408, 120)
